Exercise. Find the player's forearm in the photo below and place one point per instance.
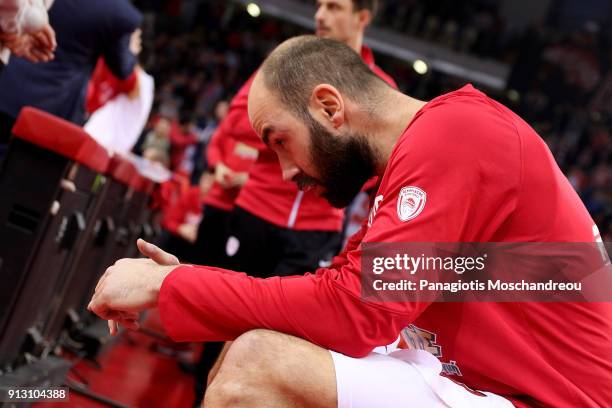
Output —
(209, 304)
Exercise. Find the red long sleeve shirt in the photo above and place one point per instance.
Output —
(186, 209)
(488, 177)
(266, 194)
(224, 146)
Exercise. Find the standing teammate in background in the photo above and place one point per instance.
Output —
(459, 168)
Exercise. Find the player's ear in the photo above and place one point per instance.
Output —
(364, 17)
(327, 105)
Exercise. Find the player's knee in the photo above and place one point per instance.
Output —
(251, 354)
(259, 347)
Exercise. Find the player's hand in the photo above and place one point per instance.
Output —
(229, 178)
(131, 286)
(223, 175)
(240, 179)
(45, 38)
(206, 181)
(189, 232)
(37, 47)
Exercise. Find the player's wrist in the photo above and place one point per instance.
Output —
(155, 284)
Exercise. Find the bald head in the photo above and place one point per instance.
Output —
(298, 65)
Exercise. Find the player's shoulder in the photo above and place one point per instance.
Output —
(465, 121)
(463, 131)
(463, 112)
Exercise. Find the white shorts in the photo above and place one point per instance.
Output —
(400, 379)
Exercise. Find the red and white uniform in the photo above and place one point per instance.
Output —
(266, 194)
(488, 177)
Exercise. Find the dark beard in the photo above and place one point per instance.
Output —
(344, 164)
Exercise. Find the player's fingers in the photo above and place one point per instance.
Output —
(37, 55)
(130, 315)
(41, 40)
(100, 306)
(113, 327)
(49, 33)
(128, 323)
(101, 310)
(106, 313)
(155, 253)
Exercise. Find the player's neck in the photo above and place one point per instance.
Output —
(392, 118)
(356, 43)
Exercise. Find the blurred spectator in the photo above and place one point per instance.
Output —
(204, 135)
(182, 140)
(85, 29)
(182, 215)
(156, 146)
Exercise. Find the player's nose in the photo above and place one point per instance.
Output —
(289, 174)
(290, 170)
(319, 15)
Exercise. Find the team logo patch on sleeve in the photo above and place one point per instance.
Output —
(410, 202)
